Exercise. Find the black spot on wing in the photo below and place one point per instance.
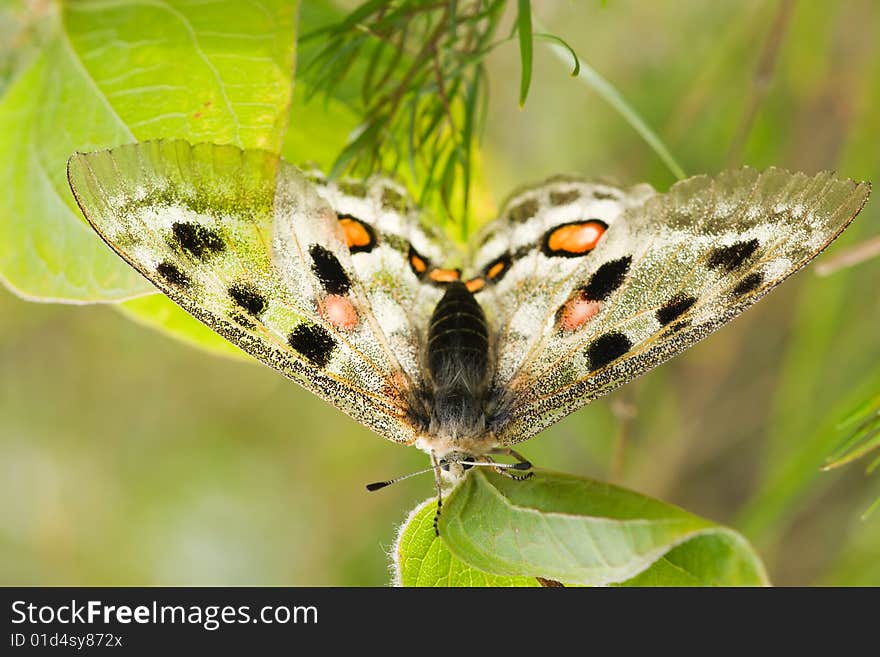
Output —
(313, 342)
(173, 275)
(607, 278)
(564, 198)
(247, 297)
(198, 240)
(674, 308)
(607, 348)
(329, 271)
(749, 283)
(524, 211)
(728, 258)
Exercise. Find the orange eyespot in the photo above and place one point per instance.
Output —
(573, 239)
(417, 263)
(358, 235)
(495, 269)
(475, 285)
(444, 275)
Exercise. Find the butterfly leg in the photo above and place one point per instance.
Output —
(439, 483)
(507, 472)
(513, 453)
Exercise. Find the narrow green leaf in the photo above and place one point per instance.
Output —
(559, 41)
(526, 44)
(862, 438)
(613, 97)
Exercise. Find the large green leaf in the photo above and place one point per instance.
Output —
(499, 532)
(158, 312)
(123, 72)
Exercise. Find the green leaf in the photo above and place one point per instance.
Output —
(123, 72)
(160, 313)
(422, 559)
(496, 532)
(526, 44)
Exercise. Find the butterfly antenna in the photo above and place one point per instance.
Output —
(522, 465)
(381, 484)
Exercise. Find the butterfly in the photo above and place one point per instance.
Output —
(342, 286)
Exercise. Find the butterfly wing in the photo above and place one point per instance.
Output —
(584, 309)
(248, 245)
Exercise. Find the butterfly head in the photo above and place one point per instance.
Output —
(454, 464)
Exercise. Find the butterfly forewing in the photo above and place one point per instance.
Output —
(244, 242)
(691, 260)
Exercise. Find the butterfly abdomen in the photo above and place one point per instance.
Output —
(457, 355)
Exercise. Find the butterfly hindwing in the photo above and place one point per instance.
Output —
(667, 270)
(251, 247)
(521, 279)
(393, 255)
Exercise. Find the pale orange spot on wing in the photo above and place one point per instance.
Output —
(418, 265)
(576, 238)
(496, 269)
(356, 234)
(339, 312)
(444, 275)
(475, 285)
(577, 312)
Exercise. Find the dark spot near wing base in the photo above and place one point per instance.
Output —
(728, 258)
(313, 342)
(329, 271)
(247, 297)
(352, 188)
(198, 240)
(674, 308)
(524, 211)
(564, 197)
(607, 348)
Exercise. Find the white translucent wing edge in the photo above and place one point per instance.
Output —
(527, 417)
(85, 173)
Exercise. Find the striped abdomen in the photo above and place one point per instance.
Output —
(458, 361)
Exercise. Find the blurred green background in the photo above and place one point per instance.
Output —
(127, 457)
